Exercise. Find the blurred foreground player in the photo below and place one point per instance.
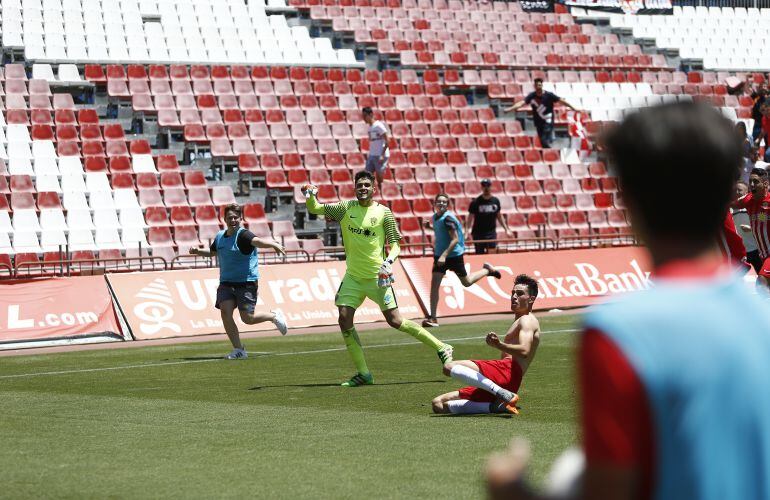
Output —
(494, 383)
(674, 378)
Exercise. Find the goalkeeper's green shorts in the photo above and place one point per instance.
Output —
(353, 291)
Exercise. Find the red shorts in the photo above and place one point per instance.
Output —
(504, 372)
(765, 270)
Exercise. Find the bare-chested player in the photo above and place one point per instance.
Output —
(495, 382)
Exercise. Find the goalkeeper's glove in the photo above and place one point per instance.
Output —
(309, 190)
(385, 275)
(386, 269)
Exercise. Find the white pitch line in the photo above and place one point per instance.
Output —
(292, 353)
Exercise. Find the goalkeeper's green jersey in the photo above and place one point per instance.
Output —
(365, 230)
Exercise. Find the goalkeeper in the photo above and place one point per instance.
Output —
(366, 227)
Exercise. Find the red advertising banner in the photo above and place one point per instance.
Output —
(56, 308)
(181, 303)
(567, 278)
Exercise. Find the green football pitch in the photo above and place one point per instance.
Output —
(175, 421)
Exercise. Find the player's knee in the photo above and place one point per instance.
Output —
(447, 369)
(465, 281)
(394, 322)
(345, 323)
(246, 317)
(438, 405)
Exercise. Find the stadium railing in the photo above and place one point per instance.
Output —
(6, 268)
(68, 267)
(75, 267)
(757, 4)
(265, 257)
(595, 241)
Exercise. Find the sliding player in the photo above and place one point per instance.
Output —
(494, 383)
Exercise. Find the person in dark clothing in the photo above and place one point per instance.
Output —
(759, 96)
(542, 103)
(483, 216)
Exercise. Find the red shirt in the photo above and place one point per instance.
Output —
(730, 242)
(759, 218)
(616, 417)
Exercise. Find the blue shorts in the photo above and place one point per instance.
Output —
(376, 164)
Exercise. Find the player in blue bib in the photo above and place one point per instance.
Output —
(674, 379)
(448, 251)
(236, 251)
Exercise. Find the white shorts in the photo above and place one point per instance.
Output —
(376, 164)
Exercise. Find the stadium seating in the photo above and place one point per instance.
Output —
(287, 117)
(456, 34)
(716, 35)
(203, 32)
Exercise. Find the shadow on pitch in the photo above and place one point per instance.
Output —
(473, 415)
(205, 358)
(256, 388)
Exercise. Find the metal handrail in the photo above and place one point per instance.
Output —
(622, 239)
(66, 266)
(3, 265)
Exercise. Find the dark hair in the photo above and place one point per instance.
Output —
(741, 127)
(524, 279)
(363, 174)
(538, 80)
(656, 151)
(761, 172)
(440, 195)
(367, 111)
(234, 207)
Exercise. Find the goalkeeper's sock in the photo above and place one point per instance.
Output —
(476, 379)
(420, 334)
(465, 406)
(353, 343)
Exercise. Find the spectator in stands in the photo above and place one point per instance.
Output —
(379, 150)
(748, 149)
(236, 249)
(759, 96)
(764, 133)
(448, 251)
(542, 102)
(655, 365)
(743, 225)
(483, 216)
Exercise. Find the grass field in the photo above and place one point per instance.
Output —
(174, 421)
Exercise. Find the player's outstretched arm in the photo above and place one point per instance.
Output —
(334, 211)
(311, 202)
(505, 473)
(260, 243)
(202, 252)
(515, 106)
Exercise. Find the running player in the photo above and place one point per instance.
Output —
(448, 251)
(366, 227)
(494, 383)
(236, 248)
(757, 204)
